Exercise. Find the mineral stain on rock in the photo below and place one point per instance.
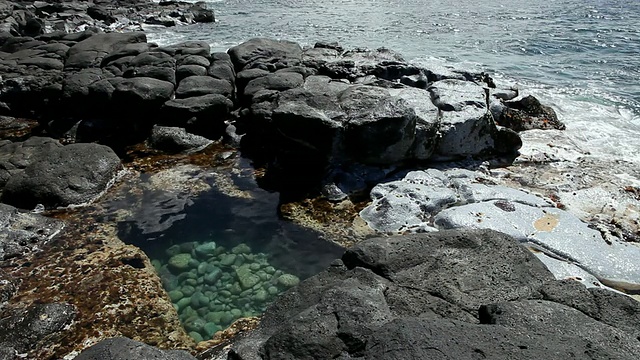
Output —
(547, 223)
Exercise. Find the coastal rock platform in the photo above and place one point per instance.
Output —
(465, 264)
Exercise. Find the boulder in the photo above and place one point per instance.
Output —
(194, 60)
(157, 65)
(202, 114)
(129, 51)
(90, 51)
(16, 156)
(527, 114)
(266, 54)
(427, 123)
(200, 48)
(277, 81)
(203, 85)
(379, 129)
(222, 68)
(30, 91)
(139, 96)
(467, 127)
(201, 13)
(245, 76)
(101, 13)
(433, 295)
(184, 71)
(122, 348)
(76, 90)
(175, 140)
(72, 174)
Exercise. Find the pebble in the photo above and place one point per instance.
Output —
(196, 336)
(180, 261)
(175, 295)
(241, 249)
(211, 329)
(288, 280)
(213, 286)
(227, 259)
(205, 250)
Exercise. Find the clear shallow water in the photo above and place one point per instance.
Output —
(580, 56)
(221, 250)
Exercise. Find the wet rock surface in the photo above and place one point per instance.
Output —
(447, 294)
(122, 348)
(23, 232)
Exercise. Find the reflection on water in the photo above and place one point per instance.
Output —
(221, 251)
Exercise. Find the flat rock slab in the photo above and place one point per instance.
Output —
(433, 199)
(554, 231)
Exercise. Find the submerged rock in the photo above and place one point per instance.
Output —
(180, 261)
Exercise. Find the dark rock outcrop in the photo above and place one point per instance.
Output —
(122, 348)
(173, 139)
(320, 109)
(23, 232)
(526, 114)
(67, 175)
(16, 156)
(307, 113)
(29, 18)
(21, 330)
(452, 294)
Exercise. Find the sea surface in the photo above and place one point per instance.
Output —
(580, 56)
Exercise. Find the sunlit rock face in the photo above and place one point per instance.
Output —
(323, 109)
(479, 287)
(433, 200)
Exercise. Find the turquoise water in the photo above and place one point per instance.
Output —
(222, 252)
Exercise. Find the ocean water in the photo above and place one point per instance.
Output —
(580, 56)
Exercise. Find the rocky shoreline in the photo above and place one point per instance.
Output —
(357, 142)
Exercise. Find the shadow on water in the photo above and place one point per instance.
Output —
(221, 256)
